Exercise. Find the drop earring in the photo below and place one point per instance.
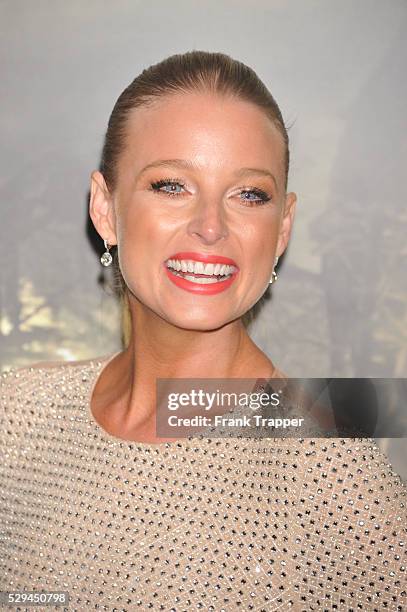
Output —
(274, 274)
(106, 258)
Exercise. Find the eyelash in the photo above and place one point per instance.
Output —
(156, 186)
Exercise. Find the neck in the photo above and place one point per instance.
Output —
(158, 349)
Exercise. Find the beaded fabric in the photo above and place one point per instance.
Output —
(195, 524)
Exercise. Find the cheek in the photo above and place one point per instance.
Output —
(143, 238)
(262, 239)
(132, 230)
(136, 226)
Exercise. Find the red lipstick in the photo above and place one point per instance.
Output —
(205, 257)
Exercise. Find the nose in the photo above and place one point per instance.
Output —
(208, 222)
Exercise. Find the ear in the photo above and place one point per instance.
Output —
(286, 223)
(101, 209)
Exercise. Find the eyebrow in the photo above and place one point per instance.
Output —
(188, 165)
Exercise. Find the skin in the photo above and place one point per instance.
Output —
(175, 333)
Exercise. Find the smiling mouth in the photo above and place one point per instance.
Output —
(200, 272)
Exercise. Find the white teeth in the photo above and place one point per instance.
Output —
(208, 268)
(202, 280)
(198, 267)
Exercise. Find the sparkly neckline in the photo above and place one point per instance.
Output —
(299, 524)
(99, 366)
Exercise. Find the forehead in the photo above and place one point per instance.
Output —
(211, 130)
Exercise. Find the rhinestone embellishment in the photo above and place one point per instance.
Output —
(264, 524)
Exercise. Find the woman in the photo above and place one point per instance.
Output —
(96, 503)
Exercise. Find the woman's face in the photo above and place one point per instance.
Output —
(201, 179)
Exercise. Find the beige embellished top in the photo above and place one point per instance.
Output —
(201, 523)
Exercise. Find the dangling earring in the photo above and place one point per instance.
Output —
(274, 274)
(106, 258)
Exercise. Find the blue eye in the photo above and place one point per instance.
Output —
(167, 182)
(262, 196)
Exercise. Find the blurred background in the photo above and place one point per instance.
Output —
(337, 70)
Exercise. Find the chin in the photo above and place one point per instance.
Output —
(205, 322)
